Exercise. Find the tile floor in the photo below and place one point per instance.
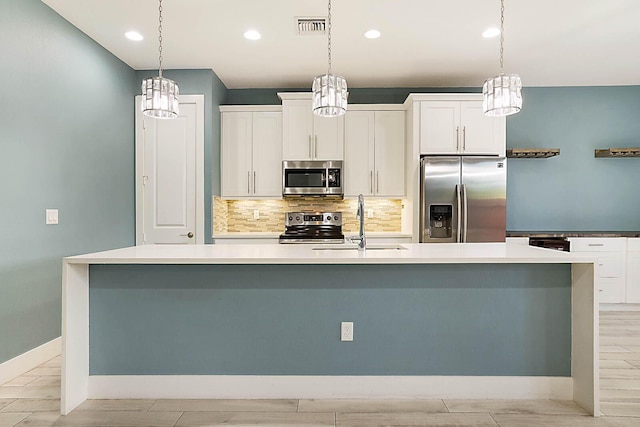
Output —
(33, 400)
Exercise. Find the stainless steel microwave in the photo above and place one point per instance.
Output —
(312, 178)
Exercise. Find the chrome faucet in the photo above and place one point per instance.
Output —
(361, 239)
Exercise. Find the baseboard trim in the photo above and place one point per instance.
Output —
(325, 387)
(25, 362)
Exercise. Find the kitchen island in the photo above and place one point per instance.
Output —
(483, 320)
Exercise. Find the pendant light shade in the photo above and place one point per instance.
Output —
(329, 90)
(329, 95)
(160, 95)
(502, 94)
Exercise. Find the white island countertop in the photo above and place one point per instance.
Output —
(413, 253)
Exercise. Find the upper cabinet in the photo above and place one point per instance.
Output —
(450, 126)
(251, 163)
(374, 153)
(306, 136)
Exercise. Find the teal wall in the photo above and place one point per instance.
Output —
(203, 82)
(66, 142)
(473, 319)
(574, 191)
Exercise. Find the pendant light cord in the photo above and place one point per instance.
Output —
(329, 38)
(501, 35)
(160, 37)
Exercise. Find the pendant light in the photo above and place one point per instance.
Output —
(502, 95)
(160, 95)
(329, 90)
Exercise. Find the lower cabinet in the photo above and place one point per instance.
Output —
(633, 270)
(610, 274)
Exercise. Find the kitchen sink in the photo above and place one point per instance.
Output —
(351, 247)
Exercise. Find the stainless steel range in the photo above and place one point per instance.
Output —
(313, 227)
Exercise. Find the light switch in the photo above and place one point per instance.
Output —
(369, 213)
(51, 216)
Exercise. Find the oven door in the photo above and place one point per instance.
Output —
(312, 178)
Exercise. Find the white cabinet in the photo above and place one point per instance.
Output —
(610, 275)
(307, 136)
(460, 127)
(251, 163)
(374, 153)
(633, 270)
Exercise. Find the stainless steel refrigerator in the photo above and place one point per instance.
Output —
(462, 199)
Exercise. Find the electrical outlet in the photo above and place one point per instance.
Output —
(346, 331)
(256, 214)
(369, 213)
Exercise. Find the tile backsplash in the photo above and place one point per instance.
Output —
(237, 216)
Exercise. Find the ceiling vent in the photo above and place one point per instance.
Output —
(311, 25)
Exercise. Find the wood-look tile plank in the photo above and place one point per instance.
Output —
(530, 420)
(30, 392)
(117, 405)
(615, 395)
(33, 405)
(412, 419)
(6, 402)
(20, 381)
(615, 364)
(634, 362)
(103, 419)
(630, 374)
(44, 370)
(617, 383)
(371, 405)
(225, 405)
(628, 356)
(620, 340)
(10, 419)
(566, 407)
(274, 419)
(613, 349)
(624, 409)
(46, 381)
(55, 362)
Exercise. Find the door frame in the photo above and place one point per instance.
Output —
(198, 100)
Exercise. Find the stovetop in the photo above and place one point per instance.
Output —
(313, 227)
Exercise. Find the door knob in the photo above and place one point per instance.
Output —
(189, 234)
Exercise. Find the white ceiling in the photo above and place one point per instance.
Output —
(424, 43)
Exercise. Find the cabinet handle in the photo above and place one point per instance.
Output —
(248, 182)
(254, 181)
(377, 181)
(316, 146)
(371, 182)
(310, 146)
(464, 138)
(457, 138)
(595, 244)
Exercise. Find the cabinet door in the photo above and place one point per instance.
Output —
(267, 154)
(297, 130)
(389, 153)
(358, 153)
(439, 127)
(611, 291)
(480, 134)
(328, 137)
(236, 154)
(633, 277)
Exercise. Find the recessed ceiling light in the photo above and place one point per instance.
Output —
(252, 35)
(372, 34)
(134, 35)
(491, 32)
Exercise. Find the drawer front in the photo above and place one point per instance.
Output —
(633, 245)
(604, 244)
(611, 291)
(611, 266)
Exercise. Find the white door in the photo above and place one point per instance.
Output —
(169, 176)
(440, 127)
(358, 153)
(389, 153)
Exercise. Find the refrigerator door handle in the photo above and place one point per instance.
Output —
(458, 206)
(466, 212)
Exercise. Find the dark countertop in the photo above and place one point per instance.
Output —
(573, 233)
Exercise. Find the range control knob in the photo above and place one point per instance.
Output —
(290, 218)
(335, 217)
(329, 218)
(297, 218)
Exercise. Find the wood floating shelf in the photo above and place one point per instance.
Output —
(618, 152)
(533, 153)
